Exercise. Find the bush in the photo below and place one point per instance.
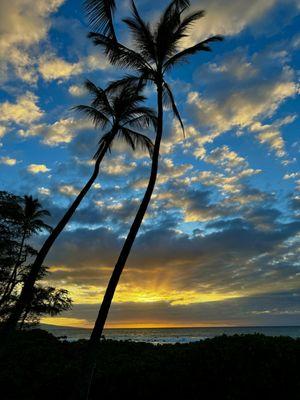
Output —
(36, 365)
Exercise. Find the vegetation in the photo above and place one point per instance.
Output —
(21, 218)
(35, 365)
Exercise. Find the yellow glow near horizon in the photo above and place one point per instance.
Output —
(130, 293)
(154, 288)
(65, 321)
(82, 323)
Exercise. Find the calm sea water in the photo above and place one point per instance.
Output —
(172, 335)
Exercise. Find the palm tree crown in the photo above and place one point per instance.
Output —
(120, 113)
(31, 214)
(158, 46)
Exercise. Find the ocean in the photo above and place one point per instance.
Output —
(171, 335)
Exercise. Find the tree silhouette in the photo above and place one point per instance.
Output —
(158, 51)
(28, 214)
(120, 112)
(20, 219)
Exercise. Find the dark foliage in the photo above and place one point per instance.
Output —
(35, 365)
(20, 219)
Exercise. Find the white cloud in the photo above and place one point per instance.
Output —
(226, 158)
(244, 91)
(44, 191)
(37, 168)
(292, 175)
(52, 67)
(23, 24)
(68, 190)
(2, 131)
(24, 111)
(118, 166)
(229, 17)
(8, 161)
(57, 68)
(60, 132)
(76, 90)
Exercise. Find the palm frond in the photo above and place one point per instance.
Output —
(182, 4)
(100, 97)
(39, 225)
(186, 24)
(100, 16)
(96, 116)
(117, 53)
(140, 81)
(168, 24)
(135, 139)
(181, 56)
(115, 86)
(141, 117)
(42, 213)
(169, 95)
(142, 34)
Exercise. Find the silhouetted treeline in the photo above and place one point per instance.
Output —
(21, 218)
(36, 365)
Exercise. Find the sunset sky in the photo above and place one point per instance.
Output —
(220, 242)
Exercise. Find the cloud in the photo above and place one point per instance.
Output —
(57, 68)
(231, 17)
(292, 175)
(54, 68)
(119, 166)
(232, 258)
(60, 132)
(8, 161)
(2, 131)
(243, 92)
(68, 190)
(44, 191)
(23, 24)
(280, 308)
(76, 90)
(24, 111)
(25, 21)
(37, 168)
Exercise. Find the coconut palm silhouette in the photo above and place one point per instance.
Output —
(157, 52)
(119, 112)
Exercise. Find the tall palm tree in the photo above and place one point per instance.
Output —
(119, 112)
(29, 217)
(157, 52)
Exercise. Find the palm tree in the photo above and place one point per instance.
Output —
(158, 51)
(29, 217)
(119, 112)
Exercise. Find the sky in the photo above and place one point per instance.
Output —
(220, 242)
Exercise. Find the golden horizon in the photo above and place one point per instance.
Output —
(77, 323)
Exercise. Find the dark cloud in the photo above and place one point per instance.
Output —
(280, 308)
(233, 257)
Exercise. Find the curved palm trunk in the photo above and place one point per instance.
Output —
(27, 290)
(114, 279)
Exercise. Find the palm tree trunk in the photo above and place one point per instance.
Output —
(114, 279)
(27, 290)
